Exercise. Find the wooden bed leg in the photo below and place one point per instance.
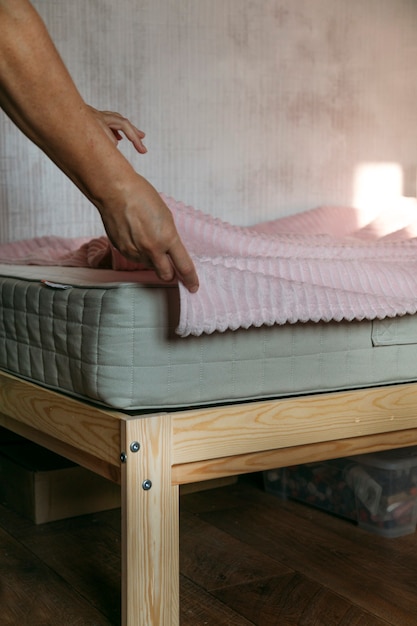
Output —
(150, 525)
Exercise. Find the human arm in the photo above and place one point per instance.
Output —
(38, 94)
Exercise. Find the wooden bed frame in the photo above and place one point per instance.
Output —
(151, 455)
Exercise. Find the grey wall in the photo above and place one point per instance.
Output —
(253, 109)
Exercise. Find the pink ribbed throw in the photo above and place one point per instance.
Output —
(330, 263)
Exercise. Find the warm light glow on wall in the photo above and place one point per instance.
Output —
(378, 185)
(386, 198)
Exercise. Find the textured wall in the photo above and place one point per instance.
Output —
(252, 108)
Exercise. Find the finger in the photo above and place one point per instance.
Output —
(132, 133)
(163, 267)
(118, 124)
(184, 266)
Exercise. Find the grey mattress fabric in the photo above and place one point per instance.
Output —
(109, 337)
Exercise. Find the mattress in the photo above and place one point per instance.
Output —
(109, 337)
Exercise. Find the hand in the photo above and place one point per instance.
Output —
(143, 230)
(115, 124)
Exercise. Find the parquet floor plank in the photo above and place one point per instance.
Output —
(31, 594)
(214, 559)
(294, 601)
(247, 559)
(199, 608)
(85, 551)
(334, 553)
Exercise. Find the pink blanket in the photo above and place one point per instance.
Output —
(330, 263)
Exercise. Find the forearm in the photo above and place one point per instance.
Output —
(55, 116)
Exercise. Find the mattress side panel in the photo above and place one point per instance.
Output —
(118, 347)
(53, 336)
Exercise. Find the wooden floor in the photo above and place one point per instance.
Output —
(246, 558)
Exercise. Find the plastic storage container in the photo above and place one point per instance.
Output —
(378, 490)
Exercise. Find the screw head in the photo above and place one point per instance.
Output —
(123, 457)
(135, 446)
(147, 484)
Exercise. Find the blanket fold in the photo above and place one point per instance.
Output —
(329, 263)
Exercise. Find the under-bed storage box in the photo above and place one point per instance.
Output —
(378, 490)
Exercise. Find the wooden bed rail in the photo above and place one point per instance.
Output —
(283, 457)
(84, 433)
(226, 431)
(329, 424)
